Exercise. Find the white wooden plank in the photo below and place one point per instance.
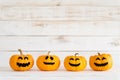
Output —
(97, 28)
(60, 44)
(59, 2)
(63, 13)
(64, 75)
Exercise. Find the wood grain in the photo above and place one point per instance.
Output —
(63, 27)
(59, 2)
(77, 29)
(62, 13)
(57, 44)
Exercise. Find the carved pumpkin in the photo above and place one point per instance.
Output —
(48, 62)
(101, 62)
(75, 63)
(21, 62)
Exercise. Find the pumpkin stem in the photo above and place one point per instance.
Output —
(48, 52)
(21, 53)
(98, 53)
(76, 54)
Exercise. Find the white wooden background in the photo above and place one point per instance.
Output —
(63, 27)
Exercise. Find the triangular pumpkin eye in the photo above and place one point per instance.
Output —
(103, 58)
(97, 58)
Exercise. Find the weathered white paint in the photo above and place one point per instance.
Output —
(59, 2)
(80, 29)
(85, 13)
(63, 27)
(60, 43)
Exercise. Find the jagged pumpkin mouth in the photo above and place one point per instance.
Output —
(23, 64)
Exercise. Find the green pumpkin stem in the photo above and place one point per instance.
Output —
(21, 53)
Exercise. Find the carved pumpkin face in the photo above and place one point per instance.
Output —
(21, 62)
(48, 62)
(75, 63)
(101, 62)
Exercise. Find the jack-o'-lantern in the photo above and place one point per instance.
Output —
(75, 63)
(21, 62)
(48, 62)
(101, 62)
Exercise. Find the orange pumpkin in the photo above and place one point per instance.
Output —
(75, 63)
(21, 62)
(101, 62)
(48, 62)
